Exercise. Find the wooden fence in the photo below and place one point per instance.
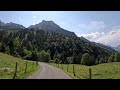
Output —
(25, 70)
(73, 70)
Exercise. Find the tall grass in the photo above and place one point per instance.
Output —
(7, 67)
(101, 71)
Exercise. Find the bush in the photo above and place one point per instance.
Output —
(101, 60)
(56, 60)
(87, 60)
(117, 57)
(96, 62)
(111, 58)
(69, 60)
(44, 56)
(51, 61)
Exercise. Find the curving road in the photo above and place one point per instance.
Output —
(49, 72)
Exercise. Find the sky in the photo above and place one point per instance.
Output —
(98, 26)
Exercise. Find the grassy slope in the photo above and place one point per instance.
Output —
(7, 67)
(101, 71)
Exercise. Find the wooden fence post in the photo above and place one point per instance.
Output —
(73, 70)
(15, 75)
(67, 67)
(33, 64)
(90, 73)
(58, 65)
(26, 67)
(37, 62)
(62, 66)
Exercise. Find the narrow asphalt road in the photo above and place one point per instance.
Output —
(49, 72)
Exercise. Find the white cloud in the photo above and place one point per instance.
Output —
(33, 22)
(92, 36)
(111, 38)
(93, 25)
(34, 17)
(20, 19)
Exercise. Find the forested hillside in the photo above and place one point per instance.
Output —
(43, 46)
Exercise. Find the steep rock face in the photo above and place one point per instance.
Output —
(50, 26)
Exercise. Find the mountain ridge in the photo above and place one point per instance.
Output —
(49, 26)
(117, 48)
(10, 25)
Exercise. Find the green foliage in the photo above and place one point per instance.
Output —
(27, 54)
(101, 71)
(31, 44)
(87, 59)
(101, 60)
(56, 55)
(96, 62)
(7, 50)
(106, 59)
(111, 58)
(51, 61)
(69, 60)
(7, 67)
(34, 56)
(117, 57)
(3, 48)
(56, 60)
(44, 56)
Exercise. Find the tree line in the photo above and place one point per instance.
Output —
(38, 45)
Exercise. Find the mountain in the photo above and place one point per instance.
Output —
(117, 48)
(50, 26)
(1, 23)
(105, 47)
(108, 48)
(31, 43)
(11, 26)
(84, 39)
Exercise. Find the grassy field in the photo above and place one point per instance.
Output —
(101, 71)
(7, 67)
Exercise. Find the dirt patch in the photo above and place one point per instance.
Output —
(8, 70)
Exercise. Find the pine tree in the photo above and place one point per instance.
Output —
(7, 50)
(101, 60)
(111, 58)
(117, 57)
(87, 59)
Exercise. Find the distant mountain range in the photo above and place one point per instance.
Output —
(10, 26)
(49, 26)
(117, 48)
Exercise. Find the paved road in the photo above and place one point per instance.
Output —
(49, 72)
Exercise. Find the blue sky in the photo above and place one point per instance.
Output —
(98, 26)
